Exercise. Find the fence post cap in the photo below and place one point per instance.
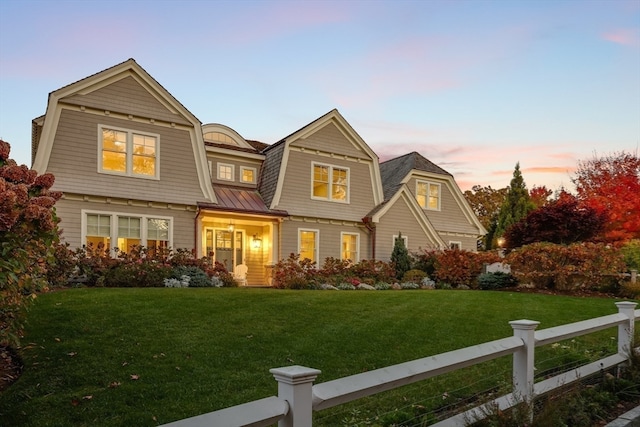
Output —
(295, 374)
(524, 324)
(626, 304)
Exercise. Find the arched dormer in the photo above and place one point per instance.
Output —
(216, 133)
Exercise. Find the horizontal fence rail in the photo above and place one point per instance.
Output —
(298, 397)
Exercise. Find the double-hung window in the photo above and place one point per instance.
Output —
(308, 244)
(350, 249)
(129, 153)
(247, 175)
(225, 172)
(330, 183)
(127, 231)
(428, 195)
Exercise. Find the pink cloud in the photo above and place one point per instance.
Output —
(625, 37)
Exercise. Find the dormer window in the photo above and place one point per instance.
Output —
(428, 195)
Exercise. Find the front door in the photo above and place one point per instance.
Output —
(227, 246)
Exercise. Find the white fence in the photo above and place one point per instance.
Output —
(298, 397)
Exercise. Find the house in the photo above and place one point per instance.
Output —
(137, 168)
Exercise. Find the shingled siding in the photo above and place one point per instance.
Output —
(297, 187)
(270, 171)
(70, 208)
(399, 219)
(329, 233)
(332, 140)
(450, 217)
(127, 96)
(74, 161)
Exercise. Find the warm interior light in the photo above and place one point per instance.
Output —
(256, 242)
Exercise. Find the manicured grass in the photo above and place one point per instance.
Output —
(141, 357)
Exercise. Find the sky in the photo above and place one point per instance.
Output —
(475, 86)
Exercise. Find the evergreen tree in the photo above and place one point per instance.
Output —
(400, 257)
(516, 206)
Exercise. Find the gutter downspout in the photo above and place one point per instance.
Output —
(372, 229)
(195, 232)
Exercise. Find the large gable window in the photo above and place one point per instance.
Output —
(330, 183)
(428, 195)
(129, 153)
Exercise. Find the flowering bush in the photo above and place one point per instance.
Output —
(28, 239)
(293, 273)
(454, 266)
(547, 265)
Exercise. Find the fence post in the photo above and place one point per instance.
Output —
(523, 359)
(295, 386)
(626, 330)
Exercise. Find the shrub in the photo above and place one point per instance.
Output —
(28, 239)
(293, 273)
(631, 253)
(409, 285)
(400, 257)
(373, 271)
(460, 267)
(414, 276)
(497, 280)
(427, 283)
(183, 282)
(346, 286)
(547, 265)
(382, 286)
(197, 277)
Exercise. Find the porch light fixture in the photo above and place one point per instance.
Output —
(256, 242)
(230, 227)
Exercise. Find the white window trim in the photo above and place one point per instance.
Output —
(233, 171)
(129, 171)
(455, 242)
(404, 237)
(329, 198)
(244, 168)
(344, 233)
(114, 226)
(429, 184)
(317, 251)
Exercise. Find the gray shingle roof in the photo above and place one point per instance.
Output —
(393, 171)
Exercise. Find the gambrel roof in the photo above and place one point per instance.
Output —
(394, 171)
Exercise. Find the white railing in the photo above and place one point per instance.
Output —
(298, 397)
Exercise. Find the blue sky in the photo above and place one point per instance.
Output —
(475, 86)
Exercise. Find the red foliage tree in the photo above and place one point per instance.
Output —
(611, 185)
(540, 195)
(563, 221)
(28, 239)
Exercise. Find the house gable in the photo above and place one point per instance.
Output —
(401, 213)
(331, 141)
(121, 94)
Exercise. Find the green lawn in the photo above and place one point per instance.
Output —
(141, 357)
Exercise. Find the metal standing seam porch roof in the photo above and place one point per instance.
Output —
(240, 200)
